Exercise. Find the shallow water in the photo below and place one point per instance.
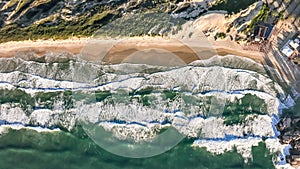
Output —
(28, 149)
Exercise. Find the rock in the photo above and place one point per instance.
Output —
(290, 134)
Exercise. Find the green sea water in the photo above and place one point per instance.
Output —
(28, 149)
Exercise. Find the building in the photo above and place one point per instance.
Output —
(262, 32)
(292, 48)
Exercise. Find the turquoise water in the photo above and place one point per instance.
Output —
(28, 149)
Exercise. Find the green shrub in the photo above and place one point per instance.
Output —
(221, 35)
(232, 6)
(261, 16)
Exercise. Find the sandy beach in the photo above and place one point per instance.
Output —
(40, 47)
(119, 51)
(205, 45)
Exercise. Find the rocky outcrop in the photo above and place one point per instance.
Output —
(290, 134)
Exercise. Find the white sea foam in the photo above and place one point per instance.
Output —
(243, 146)
(195, 79)
(4, 128)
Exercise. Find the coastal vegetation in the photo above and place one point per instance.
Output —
(221, 35)
(232, 6)
(24, 22)
(84, 27)
(58, 26)
(260, 17)
(297, 61)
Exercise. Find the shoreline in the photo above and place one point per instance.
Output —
(219, 47)
(75, 46)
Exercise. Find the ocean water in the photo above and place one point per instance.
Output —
(29, 149)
